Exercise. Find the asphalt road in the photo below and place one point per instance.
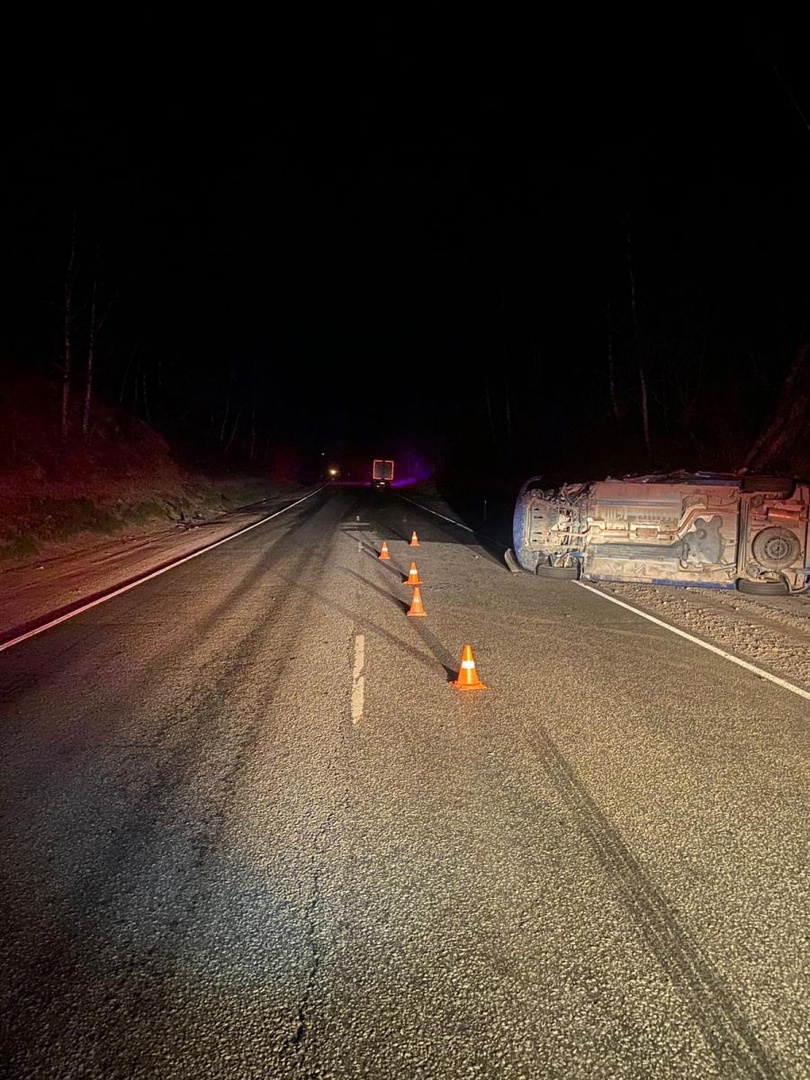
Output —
(251, 829)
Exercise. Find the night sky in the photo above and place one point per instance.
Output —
(385, 236)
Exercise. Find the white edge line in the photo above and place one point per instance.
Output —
(703, 644)
(147, 577)
(437, 514)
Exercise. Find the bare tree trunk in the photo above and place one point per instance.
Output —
(791, 420)
(645, 413)
(146, 400)
(125, 376)
(233, 431)
(136, 382)
(88, 383)
(614, 397)
(489, 411)
(791, 97)
(67, 344)
(96, 323)
(252, 452)
(224, 427)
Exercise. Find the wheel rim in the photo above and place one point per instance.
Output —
(776, 548)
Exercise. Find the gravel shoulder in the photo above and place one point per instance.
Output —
(771, 632)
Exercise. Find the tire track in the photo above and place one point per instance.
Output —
(724, 1027)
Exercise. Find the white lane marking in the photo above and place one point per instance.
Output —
(358, 679)
(703, 644)
(467, 528)
(437, 514)
(148, 577)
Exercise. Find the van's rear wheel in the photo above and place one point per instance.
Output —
(762, 588)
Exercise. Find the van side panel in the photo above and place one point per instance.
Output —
(674, 534)
(713, 530)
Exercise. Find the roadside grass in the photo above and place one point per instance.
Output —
(15, 549)
(30, 526)
(43, 521)
(38, 523)
(143, 513)
(59, 519)
(243, 493)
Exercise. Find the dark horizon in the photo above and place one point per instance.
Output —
(512, 260)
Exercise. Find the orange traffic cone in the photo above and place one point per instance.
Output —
(467, 676)
(417, 607)
(413, 576)
(413, 542)
(384, 552)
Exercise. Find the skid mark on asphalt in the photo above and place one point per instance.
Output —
(319, 925)
(313, 903)
(726, 1030)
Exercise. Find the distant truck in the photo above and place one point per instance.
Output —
(382, 472)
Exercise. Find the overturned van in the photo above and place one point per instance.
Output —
(715, 530)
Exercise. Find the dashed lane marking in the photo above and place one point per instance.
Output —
(358, 679)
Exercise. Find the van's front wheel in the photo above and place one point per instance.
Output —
(546, 570)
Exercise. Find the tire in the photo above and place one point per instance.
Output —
(562, 573)
(776, 547)
(770, 485)
(762, 588)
